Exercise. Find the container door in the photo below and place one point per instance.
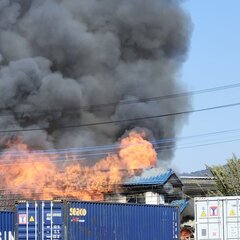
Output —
(209, 217)
(232, 218)
(51, 218)
(27, 221)
(40, 221)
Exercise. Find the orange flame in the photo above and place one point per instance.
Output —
(36, 176)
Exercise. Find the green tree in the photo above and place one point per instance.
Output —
(227, 177)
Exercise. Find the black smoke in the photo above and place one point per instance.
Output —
(59, 55)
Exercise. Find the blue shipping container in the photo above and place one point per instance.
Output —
(75, 220)
(6, 225)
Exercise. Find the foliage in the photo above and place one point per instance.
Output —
(227, 177)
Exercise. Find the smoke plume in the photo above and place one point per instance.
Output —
(59, 55)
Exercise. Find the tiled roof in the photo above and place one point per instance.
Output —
(181, 203)
(160, 179)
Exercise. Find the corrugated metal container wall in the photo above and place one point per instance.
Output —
(217, 218)
(74, 220)
(6, 225)
(91, 221)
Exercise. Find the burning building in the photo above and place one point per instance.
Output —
(162, 188)
(78, 74)
(76, 180)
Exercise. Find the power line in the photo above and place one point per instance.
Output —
(126, 102)
(101, 149)
(121, 185)
(82, 158)
(124, 120)
(161, 149)
(109, 149)
(80, 153)
(174, 140)
(122, 189)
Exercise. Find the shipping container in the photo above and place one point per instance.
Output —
(75, 220)
(6, 225)
(217, 218)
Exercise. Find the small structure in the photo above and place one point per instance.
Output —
(186, 208)
(198, 186)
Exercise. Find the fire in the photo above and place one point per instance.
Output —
(39, 176)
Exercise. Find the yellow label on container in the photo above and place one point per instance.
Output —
(203, 214)
(77, 212)
(232, 213)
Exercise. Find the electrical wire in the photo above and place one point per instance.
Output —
(113, 147)
(65, 157)
(123, 120)
(122, 189)
(125, 102)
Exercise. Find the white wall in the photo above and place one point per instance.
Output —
(116, 198)
(153, 198)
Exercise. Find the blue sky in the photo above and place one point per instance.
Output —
(214, 60)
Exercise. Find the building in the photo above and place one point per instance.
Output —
(165, 188)
(198, 186)
(162, 188)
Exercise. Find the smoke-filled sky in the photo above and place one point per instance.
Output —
(56, 56)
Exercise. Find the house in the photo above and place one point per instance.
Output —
(164, 187)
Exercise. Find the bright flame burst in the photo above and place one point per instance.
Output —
(38, 176)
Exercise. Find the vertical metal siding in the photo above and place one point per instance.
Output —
(6, 225)
(74, 220)
(217, 218)
(108, 221)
